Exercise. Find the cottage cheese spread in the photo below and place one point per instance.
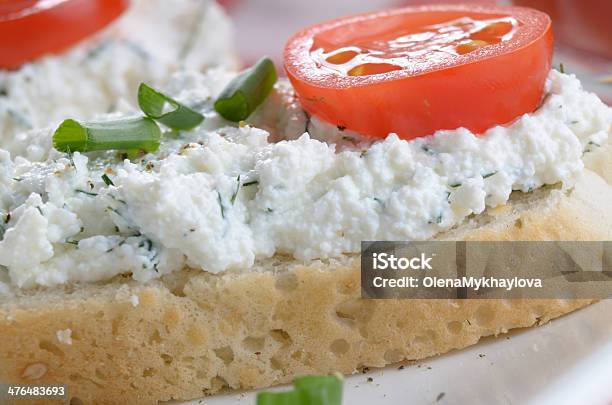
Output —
(152, 40)
(64, 336)
(220, 197)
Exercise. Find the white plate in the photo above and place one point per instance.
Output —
(568, 361)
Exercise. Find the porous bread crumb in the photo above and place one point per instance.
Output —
(499, 210)
(134, 300)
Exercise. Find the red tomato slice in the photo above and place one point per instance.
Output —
(30, 29)
(416, 70)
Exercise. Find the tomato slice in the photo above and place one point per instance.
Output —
(416, 70)
(30, 29)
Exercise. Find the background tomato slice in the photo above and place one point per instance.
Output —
(491, 75)
(30, 29)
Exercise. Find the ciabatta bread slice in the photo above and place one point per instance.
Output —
(193, 333)
(599, 160)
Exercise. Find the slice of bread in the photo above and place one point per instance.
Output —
(194, 333)
(599, 160)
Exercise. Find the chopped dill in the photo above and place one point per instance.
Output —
(437, 220)
(486, 176)
(350, 139)
(78, 190)
(250, 183)
(233, 199)
(221, 208)
(428, 150)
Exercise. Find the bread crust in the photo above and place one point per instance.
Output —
(195, 333)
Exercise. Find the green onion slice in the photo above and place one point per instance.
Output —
(309, 390)
(320, 390)
(167, 110)
(280, 398)
(125, 134)
(246, 91)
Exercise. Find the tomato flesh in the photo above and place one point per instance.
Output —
(439, 42)
(30, 29)
(413, 71)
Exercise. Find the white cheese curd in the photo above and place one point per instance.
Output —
(221, 197)
(153, 39)
(64, 336)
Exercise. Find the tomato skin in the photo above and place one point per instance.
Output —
(477, 93)
(28, 31)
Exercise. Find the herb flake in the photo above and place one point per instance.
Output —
(487, 175)
(233, 199)
(250, 183)
(107, 180)
(221, 207)
(78, 190)
(350, 139)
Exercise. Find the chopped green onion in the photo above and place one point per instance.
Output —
(167, 110)
(125, 134)
(107, 180)
(561, 68)
(309, 390)
(279, 398)
(324, 389)
(247, 91)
